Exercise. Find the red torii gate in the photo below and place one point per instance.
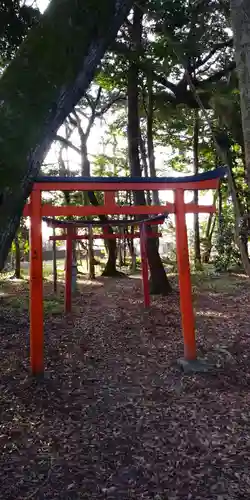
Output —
(70, 234)
(110, 186)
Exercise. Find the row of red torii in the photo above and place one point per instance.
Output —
(70, 233)
(37, 211)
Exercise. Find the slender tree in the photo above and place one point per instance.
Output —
(197, 249)
(159, 281)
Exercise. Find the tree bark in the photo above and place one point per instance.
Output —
(132, 252)
(240, 15)
(208, 239)
(145, 165)
(54, 262)
(110, 267)
(237, 212)
(209, 233)
(197, 247)
(39, 89)
(150, 137)
(17, 273)
(159, 280)
(91, 255)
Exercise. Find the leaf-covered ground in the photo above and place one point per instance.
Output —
(115, 418)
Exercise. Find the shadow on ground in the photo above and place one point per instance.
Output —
(114, 417)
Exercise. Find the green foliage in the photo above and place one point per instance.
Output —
(108, 166)
(227, 252)
(23, 238)
(16, 19)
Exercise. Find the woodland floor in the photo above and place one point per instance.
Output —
(115, 417)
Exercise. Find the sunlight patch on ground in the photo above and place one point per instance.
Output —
(214, 314)
(90, 282)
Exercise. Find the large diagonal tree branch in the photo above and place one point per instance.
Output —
(43, 95)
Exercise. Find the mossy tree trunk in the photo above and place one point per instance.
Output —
(240, 15)
(40, 87)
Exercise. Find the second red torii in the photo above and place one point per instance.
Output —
(71, 234)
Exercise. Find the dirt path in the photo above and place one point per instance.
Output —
(115, 418)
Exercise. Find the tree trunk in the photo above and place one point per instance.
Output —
(220, 214)
(145, 165)
(120, 254)
(54, 262)
(238, 212)
(208, 239)
(17, 273)
(91, 255)
(209, 233)
(159, 281)
(40, 87)
(110, 267)
(124, 248)
(150, 138)
(197, 247)
(132, 252)
(240, 15)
